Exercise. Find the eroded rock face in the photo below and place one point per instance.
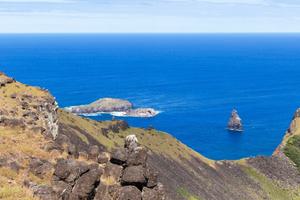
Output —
(235, 122)
(34, 112)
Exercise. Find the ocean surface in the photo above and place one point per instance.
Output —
(196, 80)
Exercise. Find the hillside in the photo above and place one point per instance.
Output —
(37, 139)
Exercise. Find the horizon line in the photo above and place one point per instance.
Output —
(119, 33)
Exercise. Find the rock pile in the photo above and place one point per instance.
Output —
(125, 176)
(128, 176)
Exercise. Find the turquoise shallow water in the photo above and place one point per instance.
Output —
(194, 79)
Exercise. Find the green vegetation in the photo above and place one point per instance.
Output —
(270, 188)
(186, 194)
(292, 150)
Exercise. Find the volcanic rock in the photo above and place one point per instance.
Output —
(130, 193)
(235, 122)
(134, 175)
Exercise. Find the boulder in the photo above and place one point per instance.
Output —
(62, 189)
(69, 170)
(86, 184)
(137, 157)
(72, 151)
(134, 175)
(119, 156)
(118, 125)
(103, 158)
(44, 192)
(151, 177)
(153, 194)
(83, 155)
(130, 193)
(112, 174)
(93, 152)
(107, 192)
(149, 194)
(39, 167)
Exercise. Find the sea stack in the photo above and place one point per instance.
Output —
(235, 122)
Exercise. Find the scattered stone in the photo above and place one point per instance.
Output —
(94, 152)
(134, 175)
(130, 192)
(83, 155)
(69, 170)
(44, 192)
(152, 177)
(103, 158)
(119, 156)
(112, 173)
(13, 96)
(107, 192)
(85, 185)
(40, 167)
(72, 151)
(149, 194)
(137, 157)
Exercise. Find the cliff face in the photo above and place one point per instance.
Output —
(49, 153)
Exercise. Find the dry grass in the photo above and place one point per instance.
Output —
(15, 192)
(109, 180)
(22, 144)
(10, 187)
(18, 145)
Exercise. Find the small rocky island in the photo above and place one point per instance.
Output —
(113, 106)
(235, 122)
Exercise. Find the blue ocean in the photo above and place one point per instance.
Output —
(194, 79)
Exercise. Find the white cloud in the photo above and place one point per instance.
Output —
(36, 1)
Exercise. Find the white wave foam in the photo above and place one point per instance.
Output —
(116, 114)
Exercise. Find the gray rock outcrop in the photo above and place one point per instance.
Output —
(235, 122)
(116, 107)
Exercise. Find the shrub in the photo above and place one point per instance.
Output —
(292, 150)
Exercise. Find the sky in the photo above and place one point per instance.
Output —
(149, 16)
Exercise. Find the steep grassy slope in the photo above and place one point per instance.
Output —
(185, 173)
(188, 175)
